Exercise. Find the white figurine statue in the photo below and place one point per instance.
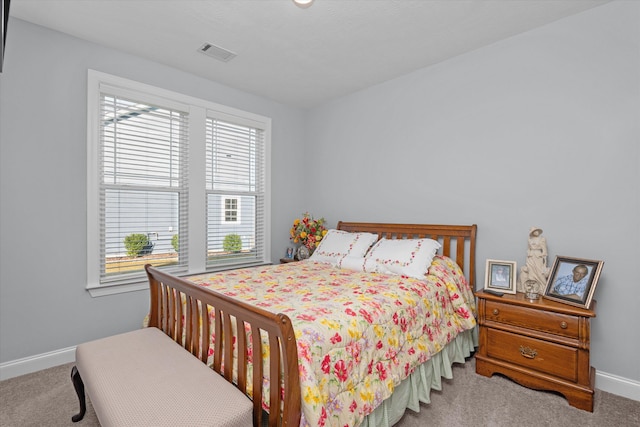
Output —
(535, 269)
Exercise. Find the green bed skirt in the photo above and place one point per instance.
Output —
(428, 376)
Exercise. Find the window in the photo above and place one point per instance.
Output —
(173, 181)
(235, 153)
(230, 210)
(143, 198)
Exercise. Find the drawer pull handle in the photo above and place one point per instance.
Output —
(527, 352)
(496, 311)
(563, 325)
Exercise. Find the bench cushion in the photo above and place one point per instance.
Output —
(144, 378)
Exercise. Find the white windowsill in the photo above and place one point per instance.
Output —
(120, 288)
(104, 290)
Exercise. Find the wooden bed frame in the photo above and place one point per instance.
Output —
(167, 293)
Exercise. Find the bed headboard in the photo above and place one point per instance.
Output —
(458, 241)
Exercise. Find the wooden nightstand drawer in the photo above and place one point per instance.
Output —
(555, 359)
(531, 318)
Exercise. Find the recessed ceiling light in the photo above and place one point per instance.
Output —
(303, 3)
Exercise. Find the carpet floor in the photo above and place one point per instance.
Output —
(47, 398)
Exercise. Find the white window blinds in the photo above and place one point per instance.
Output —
(143, 189)
(235, 185)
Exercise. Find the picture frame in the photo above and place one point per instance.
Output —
(500, 276)
(562, 286)
(289, 253)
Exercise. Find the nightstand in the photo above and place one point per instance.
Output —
(542, 345)
(286, 260)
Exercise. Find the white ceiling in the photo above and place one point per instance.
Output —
(299, 57)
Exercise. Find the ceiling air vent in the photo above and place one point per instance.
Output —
(217, 52)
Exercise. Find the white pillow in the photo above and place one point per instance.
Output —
(352, 263)
(338, 244)
(406, 257)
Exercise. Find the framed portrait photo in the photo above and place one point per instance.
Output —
(501, 276)
(573, 281)
(289, 253)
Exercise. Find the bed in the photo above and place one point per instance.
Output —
(346, 344)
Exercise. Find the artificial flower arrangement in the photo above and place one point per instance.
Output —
(308, 231)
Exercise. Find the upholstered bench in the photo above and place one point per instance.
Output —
(144, 378)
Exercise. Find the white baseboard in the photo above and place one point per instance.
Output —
(618, 385)
(38, 362)
(606, 382)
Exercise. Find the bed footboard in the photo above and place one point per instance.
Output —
(189, 324)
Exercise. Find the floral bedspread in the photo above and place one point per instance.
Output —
(358, 334)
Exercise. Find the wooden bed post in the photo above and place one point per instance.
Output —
(154, 300)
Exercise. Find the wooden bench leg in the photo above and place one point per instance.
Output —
(79, 386)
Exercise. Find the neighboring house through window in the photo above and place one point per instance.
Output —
(231, 209)
(161, 166)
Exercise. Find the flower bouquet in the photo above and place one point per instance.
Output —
(308, 231)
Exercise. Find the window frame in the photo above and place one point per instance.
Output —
(198, 111)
